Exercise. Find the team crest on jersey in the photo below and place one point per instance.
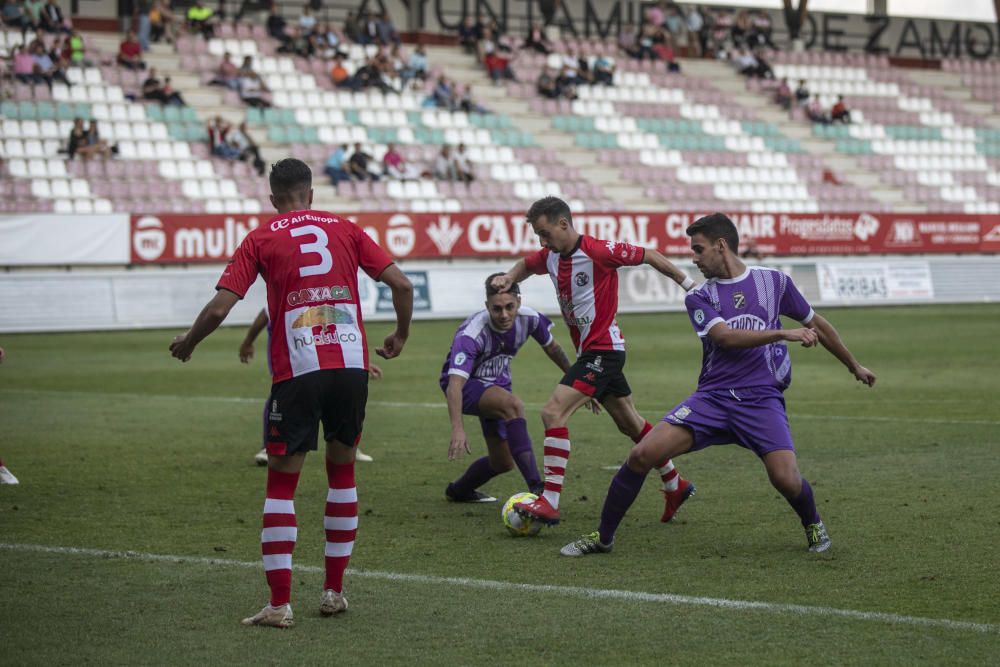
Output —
(595, 365)
(582, 279)
(739, 300)
(681, 413)
(699, 316)
(460, 358)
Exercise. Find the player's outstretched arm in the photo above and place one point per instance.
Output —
(517, 273)
(831, 340)
(212, 315)
(658, 261)
(246, 347)
(402, 303)
(725, 336)
(459, 440)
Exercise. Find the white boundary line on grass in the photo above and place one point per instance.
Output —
(442, 406)
(565, 591)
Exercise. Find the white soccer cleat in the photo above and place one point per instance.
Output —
(332, 603)
(7, 477)
(261, 457)
(361, 456)
(275, 617)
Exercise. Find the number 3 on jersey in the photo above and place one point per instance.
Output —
(317, 247)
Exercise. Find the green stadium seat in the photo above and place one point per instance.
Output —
(46, 111)
(254, 116)
(277, 134)
(8, 109)
(27, 111)
(154, 112)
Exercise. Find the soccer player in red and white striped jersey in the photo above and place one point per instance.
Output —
(584, 271)
(319, 360)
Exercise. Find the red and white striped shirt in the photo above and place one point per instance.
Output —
(310, 261)
(586, 282)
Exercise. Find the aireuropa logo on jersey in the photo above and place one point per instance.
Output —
(182, 238)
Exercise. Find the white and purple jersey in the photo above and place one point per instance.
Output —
(753, 301)
(481, 353)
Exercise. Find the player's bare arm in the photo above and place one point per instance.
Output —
(246, 347)
(830, 339)
(516, 274)
(402, 303)
(459, 441)
(658, 261)
(725, 336)
(211, 316)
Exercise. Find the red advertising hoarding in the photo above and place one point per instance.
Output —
(213, 238)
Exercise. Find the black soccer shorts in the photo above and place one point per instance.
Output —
(598, 373)
(335, 397)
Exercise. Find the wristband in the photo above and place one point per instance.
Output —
(688, 284)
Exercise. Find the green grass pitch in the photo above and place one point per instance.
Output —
(119, 447)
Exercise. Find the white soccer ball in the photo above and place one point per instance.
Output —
(517, 525)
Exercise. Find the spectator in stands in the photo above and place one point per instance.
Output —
(99, 145)
(394, 166)
(141, 9)
(840, 113)
(351, 28)
(416, 66)
(367, 29)
(14, 16)
(252, 90)
(218, 139)
(466, 103)
(45, 66)
(546, 84)
(162, 22)
(307, 22)
(648, 34)
(371, 75)
(227, 74)
(24, 66)
(340, 76)
(676, 26)
(130, 52)
(760, 30)
(815, 112)
(469, 34)
(802, 94)
(463, 166)
(51, 18)
(783, 95)
(445, 167)
(33, 10)
(81, 142)
(276, 24)
(358, 165)
(628, 41)
(604, 70)
(76, 50)
(497, 64)
(566, 84)
(201, 19)
(583, 74)
(159, 91)
(752, 65)
(443, 94)
(298, 43)
(697, 33)
(329, 41)
(385, 30)
(537, 40)
(248, 151)
(334, 167)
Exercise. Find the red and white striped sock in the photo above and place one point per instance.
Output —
(340, 522)
(556, 456)
(277, 539)
(646, 428)
(669, 476)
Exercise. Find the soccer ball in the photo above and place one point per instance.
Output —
(517, 525)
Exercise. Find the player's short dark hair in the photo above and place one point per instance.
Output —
(714, 227)
(289, 175)
(515, 289)
(552, 208)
